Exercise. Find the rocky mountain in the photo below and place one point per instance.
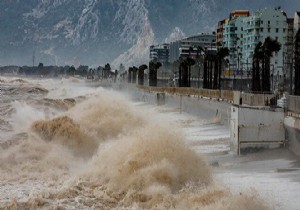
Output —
(94, 32)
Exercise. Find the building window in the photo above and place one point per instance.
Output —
(262, 29)
(269, 22)
(269, 30)
(277, 30)
(284, 30)
(262, 22)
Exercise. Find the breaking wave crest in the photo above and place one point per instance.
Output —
(60, 104)
(106, 154)
(64, 131)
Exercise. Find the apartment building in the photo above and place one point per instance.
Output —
(220, 31)
(161, 53)
(189, 46)
(260, 25)
(233, 39)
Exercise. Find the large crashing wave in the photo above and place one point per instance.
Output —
(106, 154)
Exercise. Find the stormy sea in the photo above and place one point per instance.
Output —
(68, 144)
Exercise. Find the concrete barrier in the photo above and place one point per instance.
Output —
(255, 128)
(294, 104)
(227, 95)
(257, 99)
(196, 105)
(251, 127)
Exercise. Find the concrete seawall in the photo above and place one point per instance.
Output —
(210, 108)
(292, 127)
(203, 108)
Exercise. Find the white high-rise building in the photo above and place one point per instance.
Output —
(233, 40)
(257, 27)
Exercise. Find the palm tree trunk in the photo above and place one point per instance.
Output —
(210, 74)
(267, 74)
(205, 79)
(216, 72)
(180, 75)
(141, 77)
(254, 86)
(297, 64)
(129, 76)
(219, 73)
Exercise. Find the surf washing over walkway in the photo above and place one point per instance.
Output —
(66, 144)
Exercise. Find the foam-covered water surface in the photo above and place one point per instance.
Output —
(75, 146)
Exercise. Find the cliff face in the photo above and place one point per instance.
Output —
(94, 32)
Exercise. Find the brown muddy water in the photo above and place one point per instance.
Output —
(65, 145)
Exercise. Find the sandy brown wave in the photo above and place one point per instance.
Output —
(65, 131)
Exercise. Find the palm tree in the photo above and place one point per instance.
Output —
(129, 74)
(205, 72)
(142, 68)
(183, 73)
(134, 74)
(180, 70)
(153, 67)
(210, 60)
(190, 62)
(71, 71)
(270, 46)
(297, 63)
(107, 69)
(257, 58)
(198, 60)
(221, 54)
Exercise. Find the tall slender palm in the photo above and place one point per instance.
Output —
(153, 67)
(297, 63)
(270, 46)
(257, 58)
(183, 73)
(134, 74)
(190, 62)
(198, 60)
(221, 54)
(130, 70)
(142, 68)
(205, 72)
(107, 69)
(210, 70)
(180, 70)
